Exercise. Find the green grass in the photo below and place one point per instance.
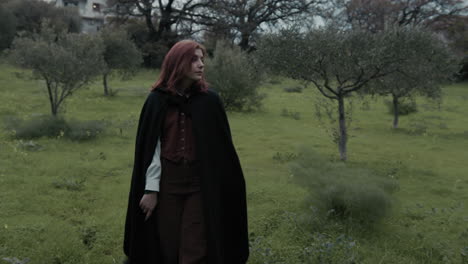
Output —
(66, 202)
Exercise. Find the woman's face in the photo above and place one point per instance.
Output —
(195, 72)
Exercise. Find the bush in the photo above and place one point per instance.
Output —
(404, 107)
(70, 184)
(295, 89)
(235, 77)
(353, 194)
(294, 115)
(43, 126)
(49, 126)
(85, 130)
(7, 27)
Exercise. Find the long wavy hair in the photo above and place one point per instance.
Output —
(176, 64)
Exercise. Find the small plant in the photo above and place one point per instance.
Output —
(125, 125)
(356, 195)
(464, 255)
(294, 115)
(85, 130)
(53, 127)
(295, 89)
(236, 77)
(88, 236)
(404, 107)
(29, 145)
(44, 126)
(284, 157)
(71, 184)
(16, 260)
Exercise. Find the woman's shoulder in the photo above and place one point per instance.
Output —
(212, 94)
(155, 96)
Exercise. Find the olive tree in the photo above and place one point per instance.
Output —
(64, 61)
(429, 65)
(235, 77)
(338, 62)
(121, 56)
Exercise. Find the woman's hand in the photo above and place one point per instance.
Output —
(148, 203)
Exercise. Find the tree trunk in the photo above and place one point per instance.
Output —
(104, 81)
(53, 107)
(244, 43)
(395, 111)
(342, 126)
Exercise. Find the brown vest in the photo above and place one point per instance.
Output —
(177, 141)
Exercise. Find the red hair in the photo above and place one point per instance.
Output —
(176, 64)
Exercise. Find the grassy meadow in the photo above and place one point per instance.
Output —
(65, 202)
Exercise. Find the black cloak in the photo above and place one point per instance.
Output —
(222, 186)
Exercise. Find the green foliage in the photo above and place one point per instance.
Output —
(295, 89)
(120, 53)
(69, 183)
(284, 157)
(48, 126)
(16, 260)
(7, 27)
(85, 130)
(235, 77)
(291, 114)
(30, 14)
(334, 60)
(88, 235)
(427, 64)
(53, 127)
(65, 61)
(462, 74)
(352, 194)
(404, 107)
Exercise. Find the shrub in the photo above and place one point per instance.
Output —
(70, 183)
(294, 115)
(404, 107)
(353, 194)
(43, 126)
(121, 56)
(295, 89)
(49, 126)
(235, 77)
(85, 130)
(284, 157)
(7, 27)
(29, 145)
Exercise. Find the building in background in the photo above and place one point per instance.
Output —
(91, 12)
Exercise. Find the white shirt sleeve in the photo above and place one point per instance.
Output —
(153, 174)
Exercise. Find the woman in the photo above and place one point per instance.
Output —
(187, 201)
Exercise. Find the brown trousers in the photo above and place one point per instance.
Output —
(179, 215)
